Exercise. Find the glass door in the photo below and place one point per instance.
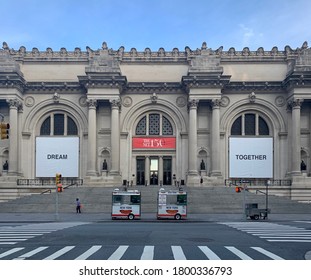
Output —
(140, 171)
(167, 171)
(154, 171)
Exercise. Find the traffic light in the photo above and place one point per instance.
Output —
(5, 128)
(58, 181)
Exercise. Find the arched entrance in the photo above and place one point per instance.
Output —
(153, 148)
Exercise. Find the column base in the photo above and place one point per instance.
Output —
(91, 173)
(193, 180)
(296, 173)
(216, 173)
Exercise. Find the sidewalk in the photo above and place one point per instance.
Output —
(146, 217)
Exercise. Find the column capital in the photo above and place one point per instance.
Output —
(14, 103)
(216, 103)
(92, 103)
(193, 103)
(295, 103)
(115, 103)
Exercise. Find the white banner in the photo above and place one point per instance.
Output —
(57, 155)
(250, 157)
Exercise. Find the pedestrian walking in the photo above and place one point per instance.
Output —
(78, 204)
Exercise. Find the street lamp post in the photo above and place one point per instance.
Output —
(267, 188)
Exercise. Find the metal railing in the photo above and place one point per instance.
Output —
(258, 182)
(49, 182)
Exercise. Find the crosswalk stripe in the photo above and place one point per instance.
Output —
(59, 253)
(273, 232)
(178, 253)
(239, 253)
(117, 255)
(31, 253)
(148, 253)
(209, 253)
(289, 240)
(12, 251)
(89, 252)
(267, 253)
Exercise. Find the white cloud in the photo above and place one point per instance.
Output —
(247, 35)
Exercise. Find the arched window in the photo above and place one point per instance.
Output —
(250, 124)
(154, 124)
(58, 124)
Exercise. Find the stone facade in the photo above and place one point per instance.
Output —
(153, 116)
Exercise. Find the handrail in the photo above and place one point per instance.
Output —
(258, 182)
(48, 182)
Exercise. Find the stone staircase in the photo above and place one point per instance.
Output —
(201, 200)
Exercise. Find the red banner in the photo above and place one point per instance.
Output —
(154, 143)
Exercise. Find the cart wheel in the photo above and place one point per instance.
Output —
(131, 216)
(256, 217)
(177, 216)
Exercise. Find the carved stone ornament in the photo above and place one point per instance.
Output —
(295, 103)
(154, 98)
(127, 101)
(181, 101)
(29, 101)
(252, 97)
(280, 101)
(14, 103)
(56, 97)
(193, 103)
(216, 103)
(115, 103)
(224, 101)
(92, 103)
(83, 101)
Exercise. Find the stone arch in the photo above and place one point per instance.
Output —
(269, 113)
(162, 106)
(204, 154)
(31, 128)
(33, 119)
(104, 153)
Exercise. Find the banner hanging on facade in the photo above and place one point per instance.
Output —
(250, 157)
(57, 155)
(154, 143)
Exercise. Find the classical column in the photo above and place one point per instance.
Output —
(20, 121)
(115, 137)
(13, 136)
(215, 138)
(296, 142)
(193, 137)
(160, 171)
(147, 170)
(91, 155)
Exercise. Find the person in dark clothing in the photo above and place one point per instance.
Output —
(78, 205)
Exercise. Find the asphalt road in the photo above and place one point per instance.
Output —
(165, 240)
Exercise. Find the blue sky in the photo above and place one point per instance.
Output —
(155, 24)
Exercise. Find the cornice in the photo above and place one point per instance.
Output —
(160, 56)
(203, 81)
(150, 88)
(298, 79)
(254, 86)
(103, 80)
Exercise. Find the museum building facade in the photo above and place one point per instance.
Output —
(156, 117)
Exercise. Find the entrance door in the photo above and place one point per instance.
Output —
(140, 171)
(167, 171)
(154, 171)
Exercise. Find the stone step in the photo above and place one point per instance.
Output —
(200, 200)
